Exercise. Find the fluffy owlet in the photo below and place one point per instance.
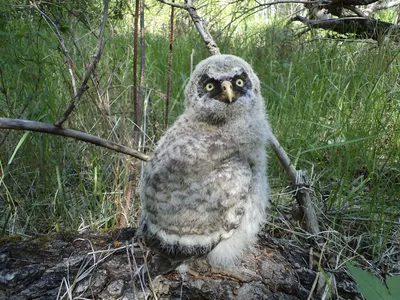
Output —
(204, 193)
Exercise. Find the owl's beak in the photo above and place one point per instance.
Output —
(227, 90)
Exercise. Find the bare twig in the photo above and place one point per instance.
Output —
(360, 219)
(169, 71)
(199, 23)
(292, 2)
(136, 104)
(138, 92)
(173, 4)
(298, 179)
(202, 28)
(17, 124)
(142, 69)
(90, 69)
(62, 44)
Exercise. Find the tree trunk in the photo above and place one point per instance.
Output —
(111, 265)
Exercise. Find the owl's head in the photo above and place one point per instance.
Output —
(223, 87)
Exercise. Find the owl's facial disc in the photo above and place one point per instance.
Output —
(225, 89)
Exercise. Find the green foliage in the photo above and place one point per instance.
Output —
(372, 288)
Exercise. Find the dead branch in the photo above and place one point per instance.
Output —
(356, 26)
(142, 67)
(199, 23)
(169, 70)
(62, 44)
(355, 10)
(136, 104)
(299, 181)
(18, 124)
(380, 6)
(173, 4)
(202, 28)
(353, 2)
(291, 2)
(89, 71)
(138, 95)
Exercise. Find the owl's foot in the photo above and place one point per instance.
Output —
(164, 265)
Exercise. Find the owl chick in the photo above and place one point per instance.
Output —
(204, 193)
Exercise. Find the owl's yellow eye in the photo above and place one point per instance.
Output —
(209, 86)
(239, 82)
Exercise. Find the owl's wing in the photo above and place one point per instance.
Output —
(194, 193)
(228, 187)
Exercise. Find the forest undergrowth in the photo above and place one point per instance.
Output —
(334, 106)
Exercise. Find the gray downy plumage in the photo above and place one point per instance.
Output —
(205, 190)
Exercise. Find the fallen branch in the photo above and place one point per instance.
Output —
(355, 26)
(382, 6)
(298, 179)
(89, 71)
(354, 2)
(18, 124)
(355, 10)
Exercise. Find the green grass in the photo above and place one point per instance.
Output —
(334, 106)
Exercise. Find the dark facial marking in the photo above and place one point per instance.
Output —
(216, 92)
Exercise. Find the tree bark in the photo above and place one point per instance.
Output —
(107, 265)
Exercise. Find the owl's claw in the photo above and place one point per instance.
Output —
(164, 265)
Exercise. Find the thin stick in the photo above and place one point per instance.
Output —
(17, 124)
(202, 28)
(199, 23)
(62, 44)
(299, 180)
(173, 4)
(89, 71)
(136, 113)
(169, 71)
(142, 70)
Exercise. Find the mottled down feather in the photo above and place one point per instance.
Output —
(205, 190)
